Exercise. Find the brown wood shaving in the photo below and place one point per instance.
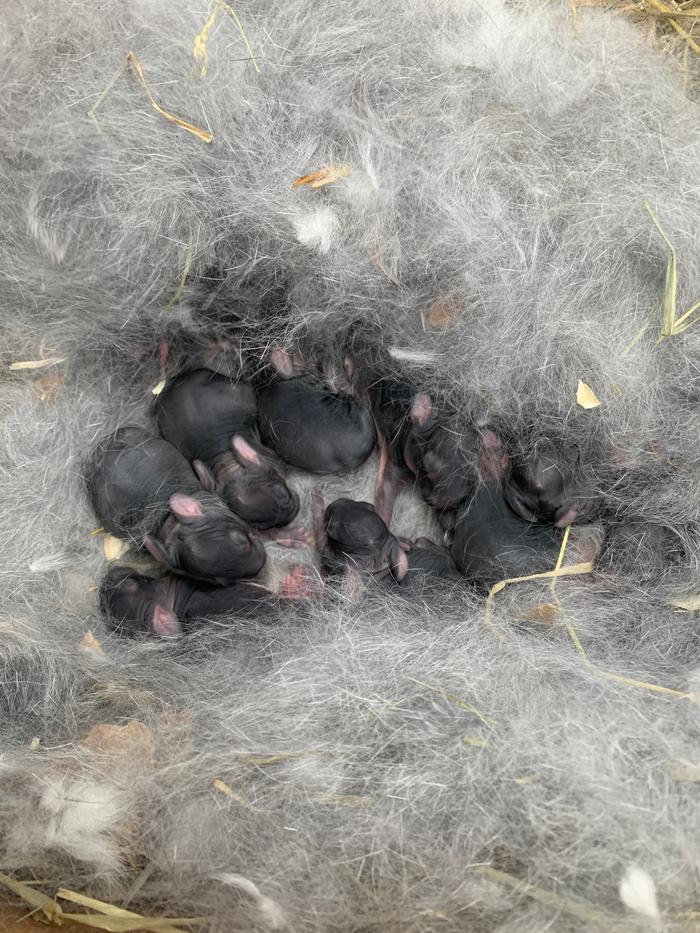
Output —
(48, 387)
(443, 312)
(324, 176)
(544, 613)
(90, 644)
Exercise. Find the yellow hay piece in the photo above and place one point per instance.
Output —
(475, 741)
(324, 176)
(691, 604)
(47, 905)
(37, 364)
(672, 324)
(620, 678)
(672, 21)
(204, 135)
(158, 387)
(570, 571)
(553, 576)
(114, 548)
(642, 330)
(566, 903)
(119, 920)
(229, 792)
(199, 49)
(629, 681)
(98, 103)
(586, 397)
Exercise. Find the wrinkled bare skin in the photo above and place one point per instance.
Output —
(142, 488)
(420, 444)
(308, 425)
(354, 542)
(547, 486)
(166, 606)
(492, 543)
(429, 564)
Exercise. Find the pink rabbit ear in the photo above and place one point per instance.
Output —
(399, 562)
(282, 362)
(244, 451)
(164, 623)
(185, 507)
(401, 568)
(422, 408)
(567, 516)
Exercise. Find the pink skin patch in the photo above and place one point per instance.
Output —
(400, 569)
(164, 623)
(300, 583)
(215, 348)
(584, 545)
(353, 586)
(386, 489)
(282, 362)
(185, 507)
(296, 538)
(163, 356)
(318, 511)
(567, 518)
(243, 450)
(494, 459)
(422, 408)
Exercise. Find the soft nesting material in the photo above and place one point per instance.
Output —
(378, 764)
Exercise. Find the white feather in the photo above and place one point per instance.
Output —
(317, 230)
(638, 892)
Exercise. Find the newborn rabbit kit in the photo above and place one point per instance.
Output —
(350, 455)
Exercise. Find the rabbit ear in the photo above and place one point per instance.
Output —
(204, 475)
(565, 515)
(398, 561)
(157, 550)
(185, 508)
(244, 451)
(282, 362)
(165, 623)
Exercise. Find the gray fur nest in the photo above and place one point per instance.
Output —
(398, 764)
